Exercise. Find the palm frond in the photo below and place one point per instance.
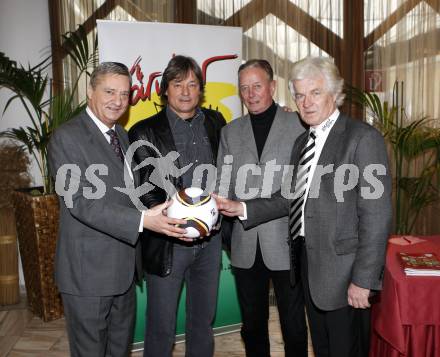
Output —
(76, 44)
(31, 86)
(63, 109)
(416, 148)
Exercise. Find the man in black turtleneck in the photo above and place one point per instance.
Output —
(261, 124)
(260, 144)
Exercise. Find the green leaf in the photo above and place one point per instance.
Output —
(76, 44)
(415, 145)
(30, 85)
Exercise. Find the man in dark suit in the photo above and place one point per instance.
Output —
(99, 225)
(194, 133)
(340, 212)
(263, 138)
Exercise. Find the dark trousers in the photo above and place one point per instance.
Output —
(199, 267)
(100, 326)
(253, 296)
(338, 333)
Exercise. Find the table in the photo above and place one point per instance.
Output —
(406, 317)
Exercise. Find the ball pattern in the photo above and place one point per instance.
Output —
(200, 211)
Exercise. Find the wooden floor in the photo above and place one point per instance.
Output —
(23, 335)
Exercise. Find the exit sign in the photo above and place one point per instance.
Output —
(374, 80)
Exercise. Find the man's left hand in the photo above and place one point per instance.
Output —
(358, 297)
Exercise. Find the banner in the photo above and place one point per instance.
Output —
(146, 49)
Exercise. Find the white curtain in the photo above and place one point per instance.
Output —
(407, 50)
(271, 30)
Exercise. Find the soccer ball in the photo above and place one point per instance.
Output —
(199, 211)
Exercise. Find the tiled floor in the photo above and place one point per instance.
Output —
(23, 335)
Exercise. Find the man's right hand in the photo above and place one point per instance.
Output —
(228, 207)
(155, 219)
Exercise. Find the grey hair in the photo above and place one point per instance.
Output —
(108, 68)
(312, 67)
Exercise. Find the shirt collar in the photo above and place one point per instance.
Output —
(101, 126)
(326, 125)
(174, 119)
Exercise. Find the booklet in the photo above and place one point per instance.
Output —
(420, 264)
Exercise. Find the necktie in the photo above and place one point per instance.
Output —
(296, 207)
(114, 142)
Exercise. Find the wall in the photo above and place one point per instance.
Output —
(25, 38)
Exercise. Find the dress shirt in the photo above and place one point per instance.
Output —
(104, 128)
(192, 144)
(322, 130)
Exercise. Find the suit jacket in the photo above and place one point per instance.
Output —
(96, 247)
(157, 249)
(238, 140)
(345, 240)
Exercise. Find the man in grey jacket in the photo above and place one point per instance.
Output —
(99, 225)
(339, 212)
(259, 145)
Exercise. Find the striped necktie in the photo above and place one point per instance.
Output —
(297, 204)
(114, 142)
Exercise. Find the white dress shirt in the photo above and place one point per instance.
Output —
(322, 130)
(104, 128)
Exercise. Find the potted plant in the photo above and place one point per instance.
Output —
(36, 210)
(415, 149)
(30, 84)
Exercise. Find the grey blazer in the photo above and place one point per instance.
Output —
(96, 247)
(345, 240)
(237, 139)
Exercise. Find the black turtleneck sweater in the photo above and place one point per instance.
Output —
(261, 124)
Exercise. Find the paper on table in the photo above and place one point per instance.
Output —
(420, 264)
(406, 240)
(414, 272)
